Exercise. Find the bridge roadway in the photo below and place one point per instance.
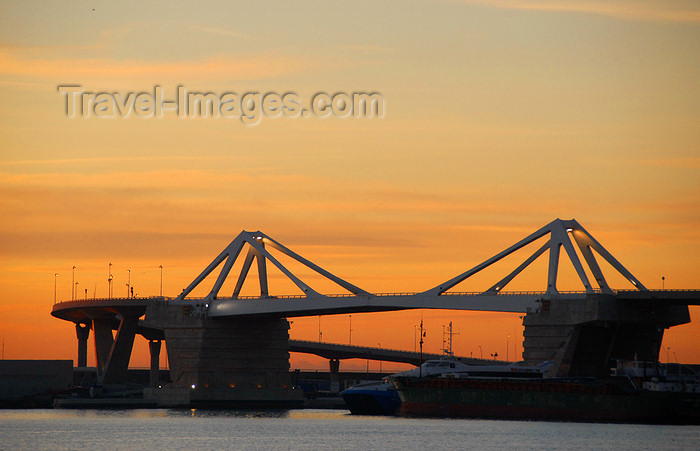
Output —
(294, 306)
(513, 302)
(336, 351)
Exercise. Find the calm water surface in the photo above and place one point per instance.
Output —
(315, 429)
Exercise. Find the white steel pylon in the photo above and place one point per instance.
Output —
(559, 231)
(258, 241)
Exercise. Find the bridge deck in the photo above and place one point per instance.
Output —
(341, 351)
(293, 306)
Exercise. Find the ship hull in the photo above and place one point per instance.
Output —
(545, 400)
(373, 402)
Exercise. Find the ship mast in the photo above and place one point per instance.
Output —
(447, 335)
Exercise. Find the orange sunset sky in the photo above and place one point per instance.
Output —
(499, 117)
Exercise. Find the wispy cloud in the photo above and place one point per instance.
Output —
(129, 159)
(645, 10)
(16, 63)
(222, 32)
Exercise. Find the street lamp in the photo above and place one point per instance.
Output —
(128, 283)
(161, 280)
(72, 293)
(320, 334)
(481, 352)
(662, 282)
(55, 276)
(109, 281)
(350, 332)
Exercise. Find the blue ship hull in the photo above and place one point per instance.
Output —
(372, 402)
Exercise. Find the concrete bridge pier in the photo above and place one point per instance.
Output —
(583, 337)
(334, 372)
(154, 348)
(118, 362)
(223, 362)
(104, 340)
(82, 330)
(114, 351)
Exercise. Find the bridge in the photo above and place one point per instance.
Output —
(336, 351)
(236, 348)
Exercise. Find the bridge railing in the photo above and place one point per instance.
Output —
(135, 298)
(388, 294)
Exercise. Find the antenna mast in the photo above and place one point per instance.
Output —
(447, 335)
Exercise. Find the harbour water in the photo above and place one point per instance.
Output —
(315, 429)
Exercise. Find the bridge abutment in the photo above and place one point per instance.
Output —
(224, 361)
(583, 336)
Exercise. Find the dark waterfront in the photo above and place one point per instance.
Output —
(315, 429)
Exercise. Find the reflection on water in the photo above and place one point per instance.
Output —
(228, 413)
(314, 429)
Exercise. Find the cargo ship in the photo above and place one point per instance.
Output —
(382, 398)
(626, 396)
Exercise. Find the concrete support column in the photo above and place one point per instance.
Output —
(83, 332)
(154, 346)
(118, 362)
(334, 370)
(103, 342)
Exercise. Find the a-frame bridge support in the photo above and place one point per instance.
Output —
(583, 335)
(232, 360)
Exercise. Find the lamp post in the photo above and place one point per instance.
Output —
(109, 281)
(128, 283)
(72, 293)
(481, 352)
(507, 342)
(320, 334)
(662, 282)
(55, 276)
(420, 360)
(350, 332)
(76, 289)
(161, 280)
